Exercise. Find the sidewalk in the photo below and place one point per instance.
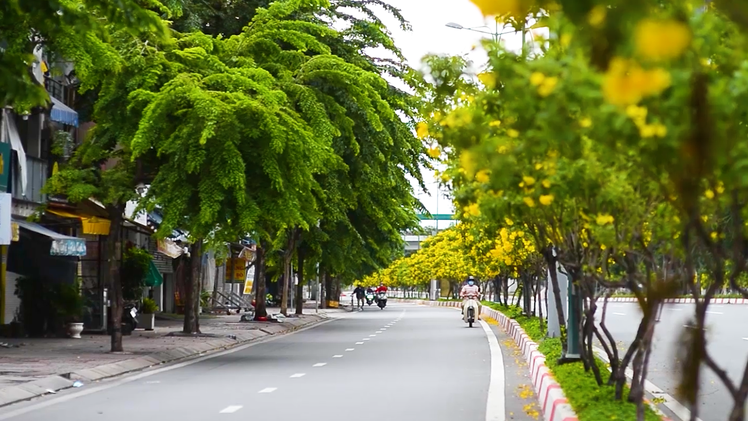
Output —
(31, 367)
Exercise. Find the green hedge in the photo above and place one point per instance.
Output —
(590, 401)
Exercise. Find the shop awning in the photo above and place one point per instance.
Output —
(91, 224)
(153, 278)
(62, 245)
(61, 113)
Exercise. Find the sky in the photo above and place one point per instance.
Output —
(431, 35)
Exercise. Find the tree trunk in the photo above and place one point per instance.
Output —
(505, 289)
(115, 280)
(260, 309)
(197, 281)
(328, 288)
(287, 272)
(300, 285)
(551, 261)
(192, 298)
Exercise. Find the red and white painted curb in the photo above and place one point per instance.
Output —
(551, 398)
(683, 300)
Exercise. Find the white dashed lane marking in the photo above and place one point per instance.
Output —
(230, 409)
(297, 375)
(337, 356)
(268, 390)
(319, 365)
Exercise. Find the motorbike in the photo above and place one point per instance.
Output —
(369, 298)
(382, 300)
(470, 310)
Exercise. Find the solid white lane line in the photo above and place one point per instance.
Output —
(268, 390)
(297, 375)
(349, 349)
(319, 365)
(230, 409)
(495, 405)
(337, 356)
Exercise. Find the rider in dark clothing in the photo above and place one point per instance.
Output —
(360, 293)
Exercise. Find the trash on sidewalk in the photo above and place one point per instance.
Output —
(77, 383)
(279, 317)
(51, 391)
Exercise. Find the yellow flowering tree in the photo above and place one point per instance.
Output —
(626, 156)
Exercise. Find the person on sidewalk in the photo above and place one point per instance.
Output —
(360, 293)
(471, 290)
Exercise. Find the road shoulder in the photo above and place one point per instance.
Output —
(521, 400)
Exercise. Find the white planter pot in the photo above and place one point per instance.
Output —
(74, 330)
(147, 321)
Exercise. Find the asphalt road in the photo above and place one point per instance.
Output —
(402, 363)
(727, 327)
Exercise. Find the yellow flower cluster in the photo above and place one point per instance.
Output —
(545, 84)
(422, 130)
(434, 152)
(500, 8)
(626, 82)
(488, 79)
(639, 115)
(604, 219)
(661, 39)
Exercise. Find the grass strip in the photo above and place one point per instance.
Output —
(590, 401)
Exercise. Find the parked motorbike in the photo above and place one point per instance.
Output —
(129, 319)
(369, 298)
(382, 300)
(470, 310)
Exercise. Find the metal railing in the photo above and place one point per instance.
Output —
(37, 173)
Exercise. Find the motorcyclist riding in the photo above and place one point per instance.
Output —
(471, 290)
(381, 288)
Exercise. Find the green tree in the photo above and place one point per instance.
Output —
(71, 31)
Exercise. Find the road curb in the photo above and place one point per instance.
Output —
(553, 402)
(738, 301)
(53, 384)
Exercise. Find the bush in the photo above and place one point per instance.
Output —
(149, 306)
(68, 303)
